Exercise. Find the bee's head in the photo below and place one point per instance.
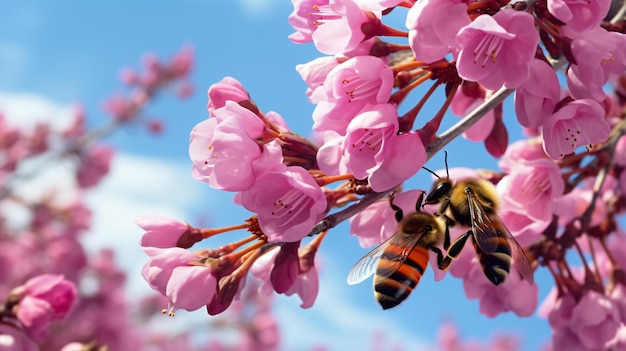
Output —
(441, 188)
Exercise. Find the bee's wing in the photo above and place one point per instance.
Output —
(483, 228)
(519, 257)
(368, 264)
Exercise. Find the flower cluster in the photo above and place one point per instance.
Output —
(54, 291)
(552, 199)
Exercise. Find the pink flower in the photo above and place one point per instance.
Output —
(334, 26)
(599, 54)
(187, 286)
(314, 73)
(595, 320)
(329, 155)
(514, 294)
(496, 50)
(533, 186)
(94, 165)
(285, 269)
(14, 339)
(288, 202)
(433, 26)
(536, 99)
(225, 152)
(55, 290)
(367, 135)
(162, 232)
(577, 15)
(405, 156)
(35, 315)
(519, 152)
(306, 284)
(348, 88)
(228, 89)
(580, 122)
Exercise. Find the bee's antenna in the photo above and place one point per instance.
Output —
(446, 162)
(431, 172)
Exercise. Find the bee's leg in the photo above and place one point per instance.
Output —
(439, 255)
(446, 238)
(420, 200)
(398, 211)
(455, 250)
(441, 211)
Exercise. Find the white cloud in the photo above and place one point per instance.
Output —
(25, 110)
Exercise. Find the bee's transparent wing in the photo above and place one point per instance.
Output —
(368, 264)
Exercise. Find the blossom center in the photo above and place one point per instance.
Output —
(488, 48)
(290, 205)
(322, 14)
(369, 140)
(359, 89)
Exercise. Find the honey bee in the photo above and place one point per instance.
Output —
(473, 202)
(400, 261)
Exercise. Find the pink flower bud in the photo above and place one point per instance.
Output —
(58, 292)
(164, 232)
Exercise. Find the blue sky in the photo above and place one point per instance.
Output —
(72, 52)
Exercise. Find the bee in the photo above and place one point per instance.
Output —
(400, 261)
(473, 203)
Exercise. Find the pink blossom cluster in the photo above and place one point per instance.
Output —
(55, 293)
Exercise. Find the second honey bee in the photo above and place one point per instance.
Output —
(400, 261)
(473, 202)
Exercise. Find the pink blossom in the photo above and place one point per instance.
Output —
(334, 26)
(94, 165)
(599, 54)
(521, 151)
(302, 21)
(161, 232)
(348, 88)
(496, 50)
(288, 202)
(536, 99)
(121, 108)
(405, 156)
(433, 26)
(14, 339)
(579, 16)
(262, 268)
(187, 286)
(514, 294)
(228, 89)
(329, 155)
(314, 73)
(595, 320)
(574, 204)
(366, 138)
(526, 228)
(285, 269)
(529, 190)
(55, 290)
(580, 122)
(35, 315)
(306, 284)
(224, 151)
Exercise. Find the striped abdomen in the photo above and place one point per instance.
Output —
(391, 290)
(497, 264)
